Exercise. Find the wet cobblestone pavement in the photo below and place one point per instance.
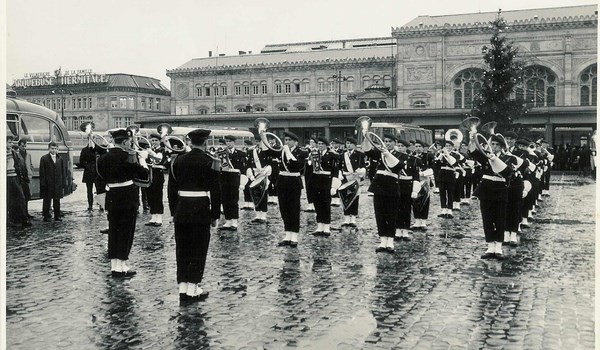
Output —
(330, 293)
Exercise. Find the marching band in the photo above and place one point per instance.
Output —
(507, 175)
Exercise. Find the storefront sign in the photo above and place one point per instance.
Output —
(72, 77)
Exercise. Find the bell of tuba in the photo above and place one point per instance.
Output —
(262, 124)
(470, 124)
(481, 142)
(363, 128)
(98, 140)
(454, 135)
(165, 130)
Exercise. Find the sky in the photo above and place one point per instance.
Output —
(148, 37)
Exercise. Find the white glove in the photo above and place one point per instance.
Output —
(333, 191)
(524, 194)
(142, 162)
(143, 154)
(414, 195)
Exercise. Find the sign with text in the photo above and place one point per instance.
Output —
(68, 77)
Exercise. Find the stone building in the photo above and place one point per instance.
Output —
(427, 73)
(109, 100)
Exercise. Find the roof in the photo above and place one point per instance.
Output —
(331, 44)
(288, 58)
(509, 16)
(134, 81)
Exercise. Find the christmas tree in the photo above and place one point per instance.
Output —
(496, 101)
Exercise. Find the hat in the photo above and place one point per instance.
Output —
(198, 136)
(448, 142)
(248, 142)
(498, 139)
(154, 136)
(404, 142)
(522, 142)
(322, 139)
(119, 135)
(352, 140)
(511, 134)
(390, 136)
(412, 142)
(222, 141)
(337, 141)
(291, 135)
(230, 138)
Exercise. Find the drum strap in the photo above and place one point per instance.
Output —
(348, 162)
(256, 159)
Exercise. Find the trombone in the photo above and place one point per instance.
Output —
(165, 130)
(363, 126)
(262, 124)
(97, 139)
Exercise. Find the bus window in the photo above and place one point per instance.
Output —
(35, 129)
(402, 135)
(12, 125)
(56, 134)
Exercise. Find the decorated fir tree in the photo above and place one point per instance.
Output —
(496, 101)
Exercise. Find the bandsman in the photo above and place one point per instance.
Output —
(446, 182)
(257, 167)
(408, 188)
(308, 173)
(337, 150)
(158, 161)
(250, 148)
(323, 173)
(421, 204)
(233, 163)
(353, 168)
(516, 191)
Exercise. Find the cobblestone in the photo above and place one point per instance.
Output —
(336, 293)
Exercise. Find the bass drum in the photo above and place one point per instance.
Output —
(258, 189)
(348, 193)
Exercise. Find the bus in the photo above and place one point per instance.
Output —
(79, 140)
(39, 126)
(406, 132)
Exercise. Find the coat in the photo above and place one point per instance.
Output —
(87, 159)
(53, 177)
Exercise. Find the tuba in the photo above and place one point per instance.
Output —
(98, 140)
(454, 135)
(262, 124)
(134, 134)
(363, 128)
(165, 130)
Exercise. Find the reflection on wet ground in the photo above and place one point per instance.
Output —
(336, 292)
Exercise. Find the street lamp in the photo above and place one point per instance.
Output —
(339, 79)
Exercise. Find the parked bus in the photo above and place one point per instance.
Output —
(39, 126)
(79, 140)
(407, 132)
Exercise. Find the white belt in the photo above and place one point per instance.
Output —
(193, 193)
(387, 173)
(120, 184)
(322, 172)
(493, 178)
(231, 170)
(402, 177)
(158, 167)
(447, 168)
(346, 173)
(287, 173)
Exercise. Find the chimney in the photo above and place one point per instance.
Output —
(241, 53)
(209, 53)
(221, 54)
(249, 52)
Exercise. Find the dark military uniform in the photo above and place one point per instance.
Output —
(155, 190)
(122, 199)
(408, 174)
(230, 183)
(198, 202)
(421, 211)
(446, 181)
(515, 194)
(256, 161)
(356, 160)
(321, 184)
(87, 159)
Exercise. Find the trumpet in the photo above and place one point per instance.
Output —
(98, 140)
(165, 130)
(363, 126)
(262, 124)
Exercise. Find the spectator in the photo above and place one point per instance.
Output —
(584, 161)
(87, 159)
(27, 173)
(16, 203)
(53, 180)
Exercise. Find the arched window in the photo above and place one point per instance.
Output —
(382, 104)
(587, 86)
(301, 108)
(538, 88)
(362, 105)
(283, 109)
(350, 84)
(467, 86)
(259, 109)
(387, 81)
(372, 105)
(421, 104)
(366, 82)
(326, 107)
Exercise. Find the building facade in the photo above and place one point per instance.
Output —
(428, 73)
(108, 100)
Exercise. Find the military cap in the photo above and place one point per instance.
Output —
(323, 139)
(498, 139)
(222, 141)
(337, 141)
(119, 134)
(154, 136)
(390, 136)
(198, 136)
(352, 140)
(291, 135)
(248, 142)
(412, 142)
(230, 138)
(511, 134)
(522, 142)
(448, 142)
(404, 142)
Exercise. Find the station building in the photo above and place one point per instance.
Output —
(427, 72)
(108, 100)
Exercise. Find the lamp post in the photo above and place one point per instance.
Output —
(339, 79)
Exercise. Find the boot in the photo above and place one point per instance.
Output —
(382, 245)
(513, 239)
(498, 251)
(489, 253)
(506, 238)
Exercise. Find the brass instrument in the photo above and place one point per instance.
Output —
(315, 158)
(454, 135)
(262, 124)
(134, 134)
(471, 124)
(165, 130)
(363, 126)
(98, 140)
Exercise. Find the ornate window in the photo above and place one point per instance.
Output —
(366, 82)
(326, 107)
(259, 109)
(283, 109)
(538, 88)
(321, 85)
(467, 86)
(419, 104)
(362, 105)
(372, 105)
(301, 108)
(587, 86)
(382, 104)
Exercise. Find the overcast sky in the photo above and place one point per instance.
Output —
(147, 37)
